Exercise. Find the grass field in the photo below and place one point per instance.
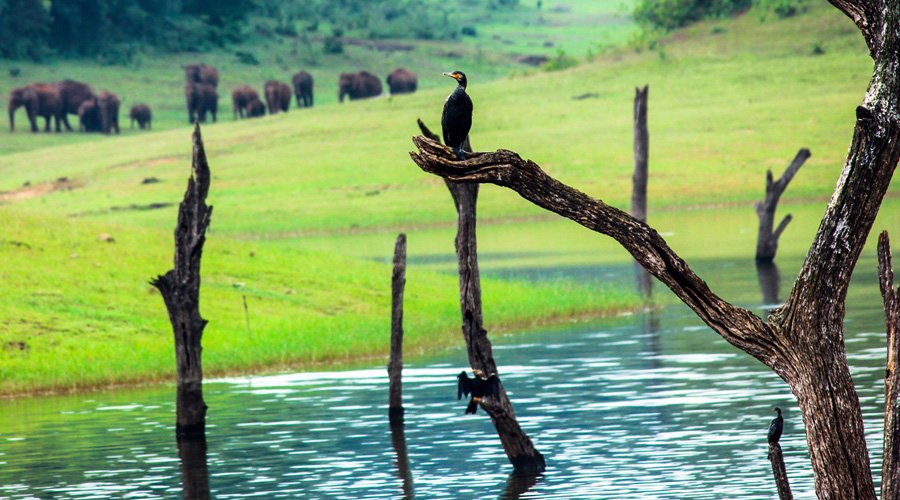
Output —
(728, 99)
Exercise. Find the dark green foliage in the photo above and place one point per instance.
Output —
(23, 29)
(782, 8)
(247, 58)
(333, 45)
(560, 62)
(671, 14)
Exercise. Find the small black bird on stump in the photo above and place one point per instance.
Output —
(476, 386)
(456, 121)
(776, 427)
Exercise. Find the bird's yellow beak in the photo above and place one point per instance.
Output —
(453, 75)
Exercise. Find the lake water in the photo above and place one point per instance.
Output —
(648, 405)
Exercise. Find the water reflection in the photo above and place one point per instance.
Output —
(194, 471)
(517, 485)
(398, 439)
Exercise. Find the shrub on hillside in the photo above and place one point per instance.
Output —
(672, 14)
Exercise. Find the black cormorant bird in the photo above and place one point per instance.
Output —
(476, 386)
(776, 427)
(457, 117)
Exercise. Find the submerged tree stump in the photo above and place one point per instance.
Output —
(180, 289)
(641, 177)
(780, 472)
(395, 366)
(767, 238)
(518, 446)
(890, 474)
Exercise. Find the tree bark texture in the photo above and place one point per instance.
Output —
(767, 237)
(780, 472)
(803, 340)
(395, 366)
(890, 472)
(194, 469)
(519, 448)
(641, 176)
(180, 289)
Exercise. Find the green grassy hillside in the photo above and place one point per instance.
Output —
(728, 99)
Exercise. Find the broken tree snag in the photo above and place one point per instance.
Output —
(780, 472)
(519, 448)
(767, 237)
(769, 283)
(641, 176)
(890, 473)
(395, 366)
(180, 289)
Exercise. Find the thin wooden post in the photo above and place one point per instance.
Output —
(767, 238)
(780, 472)
(641, 177)
(519, 449)
(180, 289)
(890, 473)
(395, 366)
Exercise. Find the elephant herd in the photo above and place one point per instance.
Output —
(56, 101)
(100, 112)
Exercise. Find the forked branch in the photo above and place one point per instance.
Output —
(738, 326)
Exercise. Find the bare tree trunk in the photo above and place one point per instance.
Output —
(769, 282)
(518, 446)
(890, 473)
(194, 469)
(803, 341)
(641, 177)
(767, 238)
(780, 472)
(180, 289)
(395, 367)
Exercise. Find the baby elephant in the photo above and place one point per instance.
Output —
(142, 114)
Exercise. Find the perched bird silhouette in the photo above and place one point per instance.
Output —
(476, 386)
(456, 121)
(776, 427)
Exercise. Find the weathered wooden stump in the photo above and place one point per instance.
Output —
(641, 177)
(395, 366)
(180, 289)
(518, 446)
(890, 474)
(767, 238)
(780, 472)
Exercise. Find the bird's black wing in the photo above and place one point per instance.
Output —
(463, 386)
(775, 430)
(456, 120)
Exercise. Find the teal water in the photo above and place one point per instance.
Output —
(647, 405)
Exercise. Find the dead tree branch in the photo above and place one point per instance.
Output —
(395, 366)
(518, 446)
(767, 238)
(180, 289)
(890, 473)
(776, 457)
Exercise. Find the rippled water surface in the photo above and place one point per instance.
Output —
(650, 405)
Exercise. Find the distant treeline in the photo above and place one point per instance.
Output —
(113, 30)
(671, 14)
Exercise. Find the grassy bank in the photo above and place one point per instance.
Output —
(728, 99)
(76, 311)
